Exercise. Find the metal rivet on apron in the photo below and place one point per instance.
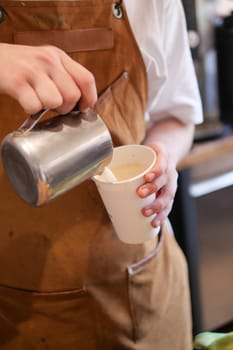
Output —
(117, 10)
(2, 15)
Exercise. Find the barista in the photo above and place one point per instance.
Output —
(65, 278)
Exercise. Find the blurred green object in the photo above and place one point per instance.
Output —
(214, 341)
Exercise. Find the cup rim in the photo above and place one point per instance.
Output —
(134, 177)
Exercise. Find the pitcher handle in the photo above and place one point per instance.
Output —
(31, 121)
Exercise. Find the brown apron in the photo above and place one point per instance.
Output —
(66, 281)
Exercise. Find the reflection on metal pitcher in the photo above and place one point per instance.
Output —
(44, 159)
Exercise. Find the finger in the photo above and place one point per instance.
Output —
(83, 79)
(68, 89)
(151, 187)
(160, 217)
(28, 99)
(161, 212)
(154, 208)
(163, 198)
(161, 206)
(158, 170)
(47, 92)
(147, 189)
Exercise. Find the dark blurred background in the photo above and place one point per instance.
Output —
(203, 212)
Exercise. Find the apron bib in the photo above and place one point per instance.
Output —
(66, 281)
(47, 236)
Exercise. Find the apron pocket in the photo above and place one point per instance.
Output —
(76, 40)
(119, 101)
(146, 290)
(53, 320)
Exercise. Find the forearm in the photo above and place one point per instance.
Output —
(175, 136)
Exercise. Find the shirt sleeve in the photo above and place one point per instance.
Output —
(179, 95)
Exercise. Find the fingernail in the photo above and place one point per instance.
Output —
(149, 212)
(145, 191)
(150, 177)
(155, 223)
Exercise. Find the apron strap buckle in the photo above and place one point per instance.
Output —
(117, 9)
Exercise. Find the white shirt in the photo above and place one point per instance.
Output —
(160, 30)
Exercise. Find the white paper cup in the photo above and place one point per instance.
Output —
(120, 198)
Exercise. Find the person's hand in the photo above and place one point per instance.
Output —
(162, 181)
(45, 77)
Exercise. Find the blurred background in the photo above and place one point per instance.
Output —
(203, 212)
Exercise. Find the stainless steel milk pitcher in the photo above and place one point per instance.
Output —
(44, 159)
